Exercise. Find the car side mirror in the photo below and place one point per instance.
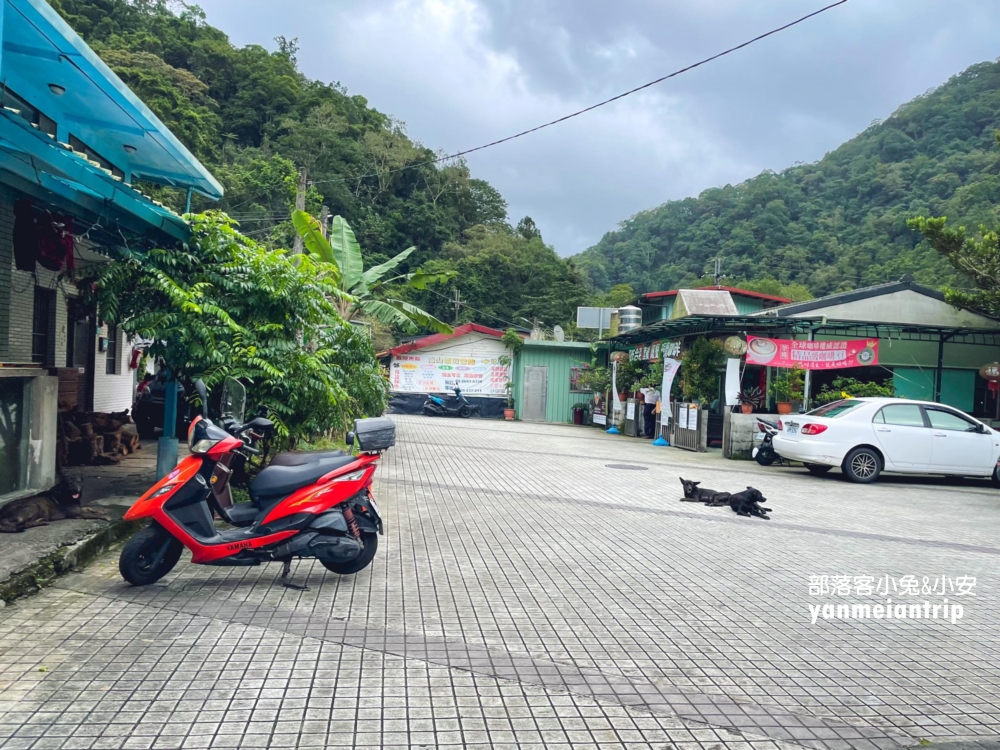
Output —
(349, 439)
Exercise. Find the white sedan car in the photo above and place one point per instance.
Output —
(866, 436)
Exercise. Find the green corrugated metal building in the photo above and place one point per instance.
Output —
(544, 383)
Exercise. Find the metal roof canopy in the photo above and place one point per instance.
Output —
(44, 64)
(40, 51)
(704, 324)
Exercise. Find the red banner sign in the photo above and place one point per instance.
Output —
(811, 355)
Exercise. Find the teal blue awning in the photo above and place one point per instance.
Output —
(71, 128)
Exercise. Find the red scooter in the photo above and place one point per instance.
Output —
(304, 505)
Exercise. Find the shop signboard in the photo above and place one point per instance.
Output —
(653, 351)
(811, 355)
(439, 373)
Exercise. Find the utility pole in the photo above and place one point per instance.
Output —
(458, 304)
(716, 274)
(324, 220)
(300, 205)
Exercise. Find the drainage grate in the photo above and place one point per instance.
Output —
(627, 467)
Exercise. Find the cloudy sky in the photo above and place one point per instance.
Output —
(460, 73)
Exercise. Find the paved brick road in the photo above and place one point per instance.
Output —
(529, 596)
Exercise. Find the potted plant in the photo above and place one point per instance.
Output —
(514, 343)
(786, 387)
(508, 412)
(750, 398)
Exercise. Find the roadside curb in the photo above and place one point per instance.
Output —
(71, 558)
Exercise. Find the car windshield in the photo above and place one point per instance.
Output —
(835, 409)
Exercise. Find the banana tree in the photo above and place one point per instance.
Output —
(364, 292)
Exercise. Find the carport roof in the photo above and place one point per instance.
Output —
(694, 325)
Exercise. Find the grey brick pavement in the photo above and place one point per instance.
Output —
(527, 595)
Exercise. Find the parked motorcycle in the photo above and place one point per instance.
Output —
(435, 406)
(304, 505)
(765, 453)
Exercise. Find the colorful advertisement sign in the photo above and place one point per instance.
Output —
(811, 355)
(437, 373)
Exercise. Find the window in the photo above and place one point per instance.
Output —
(904, 415)
(836, 409)
(40, 325)
(28, 113)
(79, 145)
(112, 351)
(947, 420)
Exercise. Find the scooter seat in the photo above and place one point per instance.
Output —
(281, 481)
(299, 458)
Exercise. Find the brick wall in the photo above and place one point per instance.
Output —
(17, 304)
(6, 267)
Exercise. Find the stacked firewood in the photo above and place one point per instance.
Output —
(95, 438)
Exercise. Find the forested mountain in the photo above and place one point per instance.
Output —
(839, 223)
(254, 119)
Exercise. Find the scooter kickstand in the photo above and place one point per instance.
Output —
(286, 569)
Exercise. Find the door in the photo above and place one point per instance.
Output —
(536, 383)
(958, 446)
(903, 436)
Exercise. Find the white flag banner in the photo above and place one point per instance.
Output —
(670, 368)
(614, 387)
(732, 382)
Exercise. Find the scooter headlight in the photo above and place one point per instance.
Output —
(200, 441)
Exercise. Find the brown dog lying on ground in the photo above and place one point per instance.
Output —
(62, 501)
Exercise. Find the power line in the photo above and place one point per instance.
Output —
(592, 107)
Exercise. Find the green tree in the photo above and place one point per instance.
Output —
(225, 306)
(363, 292)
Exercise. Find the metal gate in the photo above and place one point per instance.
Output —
(536, 383)
(690, 427)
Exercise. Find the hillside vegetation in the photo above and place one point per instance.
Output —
(254, 119)
(839, 223)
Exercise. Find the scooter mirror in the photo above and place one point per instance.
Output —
(199, 386)
(349, 439)
(260, 423)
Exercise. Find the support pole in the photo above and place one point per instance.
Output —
(166, 446)
(940, 368)
(300, 205)
(187, 206)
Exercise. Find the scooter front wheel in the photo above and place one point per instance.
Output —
(360, 562)
(148, 556)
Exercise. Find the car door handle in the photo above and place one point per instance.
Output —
(884, 429)
(940, 434)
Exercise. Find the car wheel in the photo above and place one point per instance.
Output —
(862, 465)
(996, 476)
(818, 470)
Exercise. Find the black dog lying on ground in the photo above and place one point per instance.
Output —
(695, 494)
(745, 503)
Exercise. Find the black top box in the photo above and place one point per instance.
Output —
(375, 434)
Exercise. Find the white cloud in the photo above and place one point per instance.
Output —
(464, 72)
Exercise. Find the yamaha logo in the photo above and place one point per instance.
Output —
(238, 545)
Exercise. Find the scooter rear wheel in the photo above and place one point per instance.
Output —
(148, 556)
(360, 562)
(766, 458)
